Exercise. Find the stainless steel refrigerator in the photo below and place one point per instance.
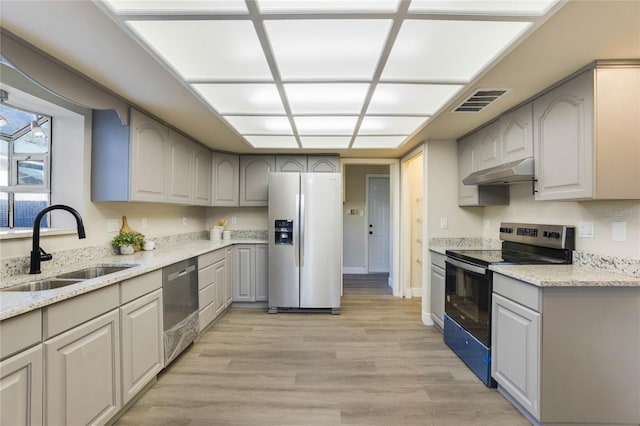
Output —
(305, 241)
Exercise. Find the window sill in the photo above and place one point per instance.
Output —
(11, 234)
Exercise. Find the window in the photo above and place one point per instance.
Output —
(25, 147)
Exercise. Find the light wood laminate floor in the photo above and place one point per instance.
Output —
(375, 364)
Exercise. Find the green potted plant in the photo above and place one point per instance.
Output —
(127, 242)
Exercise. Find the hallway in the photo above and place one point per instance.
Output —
(375, 364)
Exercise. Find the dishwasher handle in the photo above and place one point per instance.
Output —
(181, 273)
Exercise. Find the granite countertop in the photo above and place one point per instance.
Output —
(19, 302)
(566, 276)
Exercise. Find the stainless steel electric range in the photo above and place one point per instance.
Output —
(468, 285)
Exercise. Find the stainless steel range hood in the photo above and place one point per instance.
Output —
(514, 172)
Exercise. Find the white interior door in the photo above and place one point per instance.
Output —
(378, 214)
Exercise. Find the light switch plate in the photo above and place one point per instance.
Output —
(234, 220)
(143, 223)
(444, 223)
(586, 230)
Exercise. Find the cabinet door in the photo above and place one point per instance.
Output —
(291, 163)
(142, 343)
(243, 276)
(516, 132)
(83, 373)
(149, 141)
(228, 294)
(225, 179)
(437, 294)
(254, 179)
(180, 170)
(21, 388)
(515, 351)
(202, 176)
(262, 273)
(563, 140)
(323, 164)
(489, 146)
(467, 194)
(220, 272)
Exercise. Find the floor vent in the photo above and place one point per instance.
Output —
(479, 100)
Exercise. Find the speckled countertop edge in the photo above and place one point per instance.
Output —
(16, 303)
(565, 276)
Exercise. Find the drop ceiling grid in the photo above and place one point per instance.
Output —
(371, 106)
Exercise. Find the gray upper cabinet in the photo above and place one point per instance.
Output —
(476, 195)
(180, 169)
(202, 168)
(489, 148)
(254, 175)
(323, 164)
(516, 132)
(587, 138)
(125, 159)
(291, 163)
(225, 179)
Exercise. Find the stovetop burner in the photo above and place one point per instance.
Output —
(503, 257)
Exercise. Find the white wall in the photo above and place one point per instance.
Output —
(253, 218)
(354, 226)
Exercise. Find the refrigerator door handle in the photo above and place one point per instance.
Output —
(296, 234)
(302, 225)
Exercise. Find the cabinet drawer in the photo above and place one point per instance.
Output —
(206, 277)
(437, 259)
(210, 258)
(70, 313)
(206, 296)
(20, 332)
(520, 292)
(206, 316)
(139, 286)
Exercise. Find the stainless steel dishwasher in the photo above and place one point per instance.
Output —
(180, 306)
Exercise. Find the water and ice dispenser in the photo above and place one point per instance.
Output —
(284, 232)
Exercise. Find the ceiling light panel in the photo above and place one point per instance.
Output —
(448, 51)
(328, 6)
(202, 50)
(326, 98)
(378, 142)
(177, 6)
(325, 142)
(423, 99)
(261, 125)
(273, 142)
(241, 98)
(335, 125)
(327, 49)
(376, 125)
(479, 7)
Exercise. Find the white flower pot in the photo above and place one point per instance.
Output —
(148, 245)
(126, 250)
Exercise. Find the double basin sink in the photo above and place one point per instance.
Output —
(69, 278)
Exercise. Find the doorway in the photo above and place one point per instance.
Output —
(378, 221)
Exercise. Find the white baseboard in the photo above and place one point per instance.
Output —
(354, 270)
(412, 292)
(426, 319)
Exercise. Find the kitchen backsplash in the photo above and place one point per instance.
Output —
(621, 265)
(20, 265)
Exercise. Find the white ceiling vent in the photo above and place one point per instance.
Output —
(479, 100)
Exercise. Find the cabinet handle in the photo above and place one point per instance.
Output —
(533, 186)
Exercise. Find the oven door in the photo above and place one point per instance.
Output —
(468, 297)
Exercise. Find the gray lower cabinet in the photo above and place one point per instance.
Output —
(212, 281)
(21, 385)
(250, 280)
(82, 365)
(437, 288)
(228, 288)
(142, 343)
(561, 357)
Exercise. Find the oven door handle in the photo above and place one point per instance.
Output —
(466, 266)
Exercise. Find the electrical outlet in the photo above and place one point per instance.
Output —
(234, 220)
(444, 223)
(143, 223)
(487, 224)
(586, 230)
(112, 225)
(184, 220)
(619, 231)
